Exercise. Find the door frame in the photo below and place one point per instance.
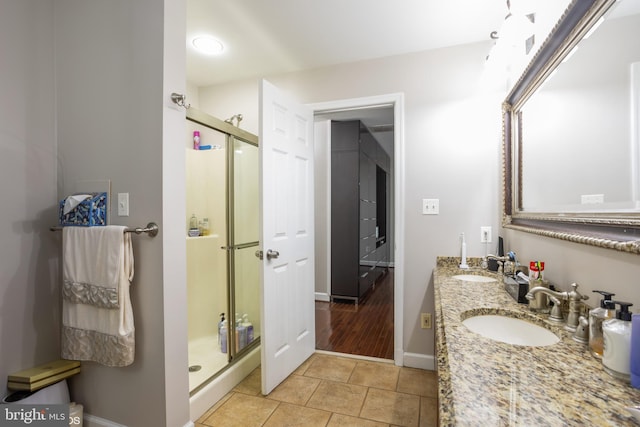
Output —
(397, 101)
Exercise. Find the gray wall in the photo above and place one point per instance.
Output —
(113, 123)
(29, 302)
(85, 97)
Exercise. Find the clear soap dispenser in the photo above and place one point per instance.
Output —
(616, 356)
(596, 317)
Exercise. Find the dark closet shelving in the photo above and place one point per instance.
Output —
(359, 210)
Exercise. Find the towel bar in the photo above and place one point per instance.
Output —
(151, 229)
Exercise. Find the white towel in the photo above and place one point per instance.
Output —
(97, 317)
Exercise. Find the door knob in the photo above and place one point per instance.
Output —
(271, 254)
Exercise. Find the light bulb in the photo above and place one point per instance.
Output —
(208, 45)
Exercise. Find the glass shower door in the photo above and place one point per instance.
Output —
(244, 267)
(223, 274)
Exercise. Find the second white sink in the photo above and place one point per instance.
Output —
(474, 278)
(510, 330)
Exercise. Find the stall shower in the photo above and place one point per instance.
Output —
(221, 228)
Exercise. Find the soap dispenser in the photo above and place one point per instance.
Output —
(596, 317)
(616, 356)
(635, 350)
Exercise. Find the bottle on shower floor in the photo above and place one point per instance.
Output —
(220, 326)
(223, 337)
(248, 328)
(241, 334)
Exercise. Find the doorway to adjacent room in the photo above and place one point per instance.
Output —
(369, 325)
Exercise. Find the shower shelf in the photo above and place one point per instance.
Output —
(210, 236)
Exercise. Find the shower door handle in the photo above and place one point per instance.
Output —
(271, 254)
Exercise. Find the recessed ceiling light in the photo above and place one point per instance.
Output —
(208, 45)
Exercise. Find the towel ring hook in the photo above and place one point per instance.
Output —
(180, 99)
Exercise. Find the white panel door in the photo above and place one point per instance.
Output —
(286, 207)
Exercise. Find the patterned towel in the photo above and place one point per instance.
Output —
(97, 317)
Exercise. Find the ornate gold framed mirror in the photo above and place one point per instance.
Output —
(571, 131)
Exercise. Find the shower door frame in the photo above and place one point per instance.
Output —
(232, 246)
(232, 133)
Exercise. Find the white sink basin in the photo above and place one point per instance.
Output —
(474, 278)
(510, 330)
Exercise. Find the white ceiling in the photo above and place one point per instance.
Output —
(265, 37)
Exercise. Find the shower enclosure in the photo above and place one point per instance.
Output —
(221, 229)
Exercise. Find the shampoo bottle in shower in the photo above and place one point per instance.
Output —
(205, 227)
(241, 333)
(220, 326)
(196, 140)
(194, 231)
(223, 337)
(248, 327)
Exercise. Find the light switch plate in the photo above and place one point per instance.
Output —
(430, 206)
(123, 204)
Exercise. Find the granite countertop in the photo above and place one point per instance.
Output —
(488, 383)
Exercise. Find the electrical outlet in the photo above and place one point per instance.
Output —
(591, 199)
(425, 321)
(485, 234)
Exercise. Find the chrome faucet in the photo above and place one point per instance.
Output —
(497, 258)
(485, 261)
(574, 298)
(511, 256)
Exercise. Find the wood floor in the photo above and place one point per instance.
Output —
(365, 329)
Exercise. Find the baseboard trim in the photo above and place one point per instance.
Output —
(323, 296)
(421, 361)
(89, 420)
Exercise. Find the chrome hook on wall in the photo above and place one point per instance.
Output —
(180, 99)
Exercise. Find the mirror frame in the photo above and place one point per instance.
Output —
(619, 231)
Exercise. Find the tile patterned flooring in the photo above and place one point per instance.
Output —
(331, 390)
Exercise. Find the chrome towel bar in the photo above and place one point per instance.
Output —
(151, 229)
